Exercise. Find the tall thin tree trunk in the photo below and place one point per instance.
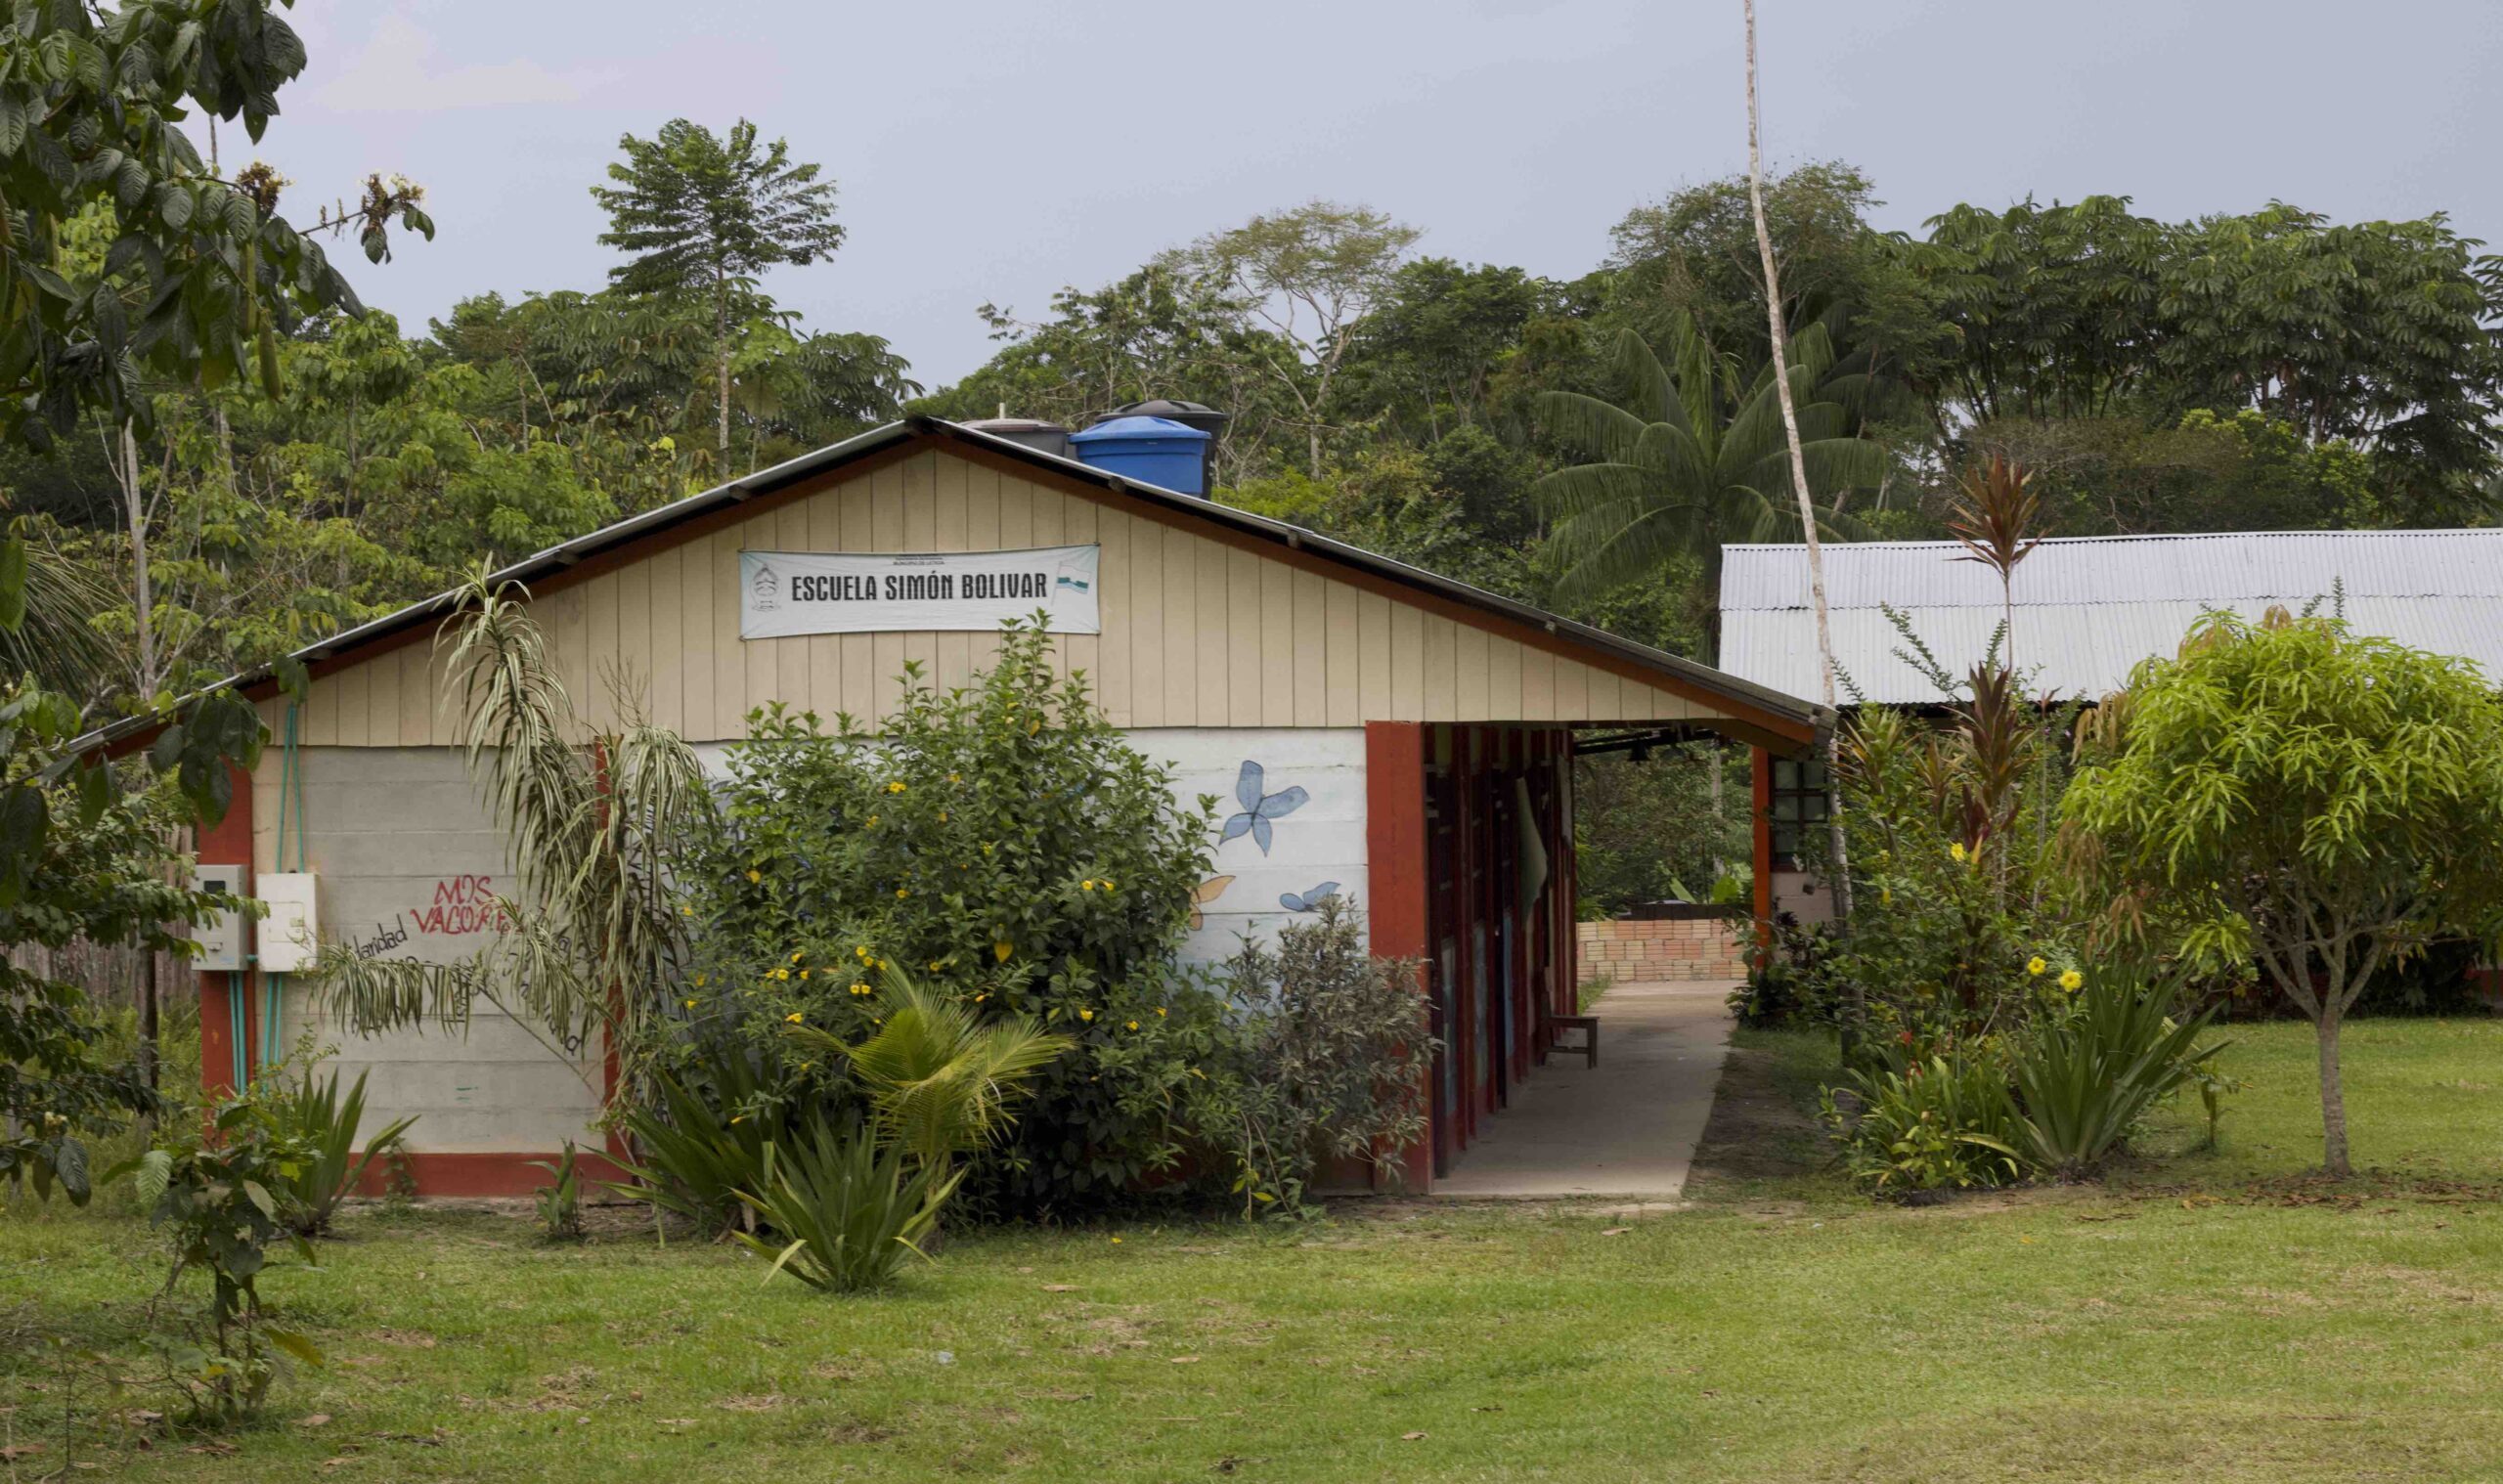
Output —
(142, 591)
(148, 1001)
(722, 373)
(2333, 1092)
(1841, 860)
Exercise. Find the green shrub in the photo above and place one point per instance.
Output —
(700, 1135)
(1943, 1124)
(1337, 1047)
(844, 1212)
(216, 1199)
(313, 1114)
(2086, 1073)
(561, 1204)
(1005, 846)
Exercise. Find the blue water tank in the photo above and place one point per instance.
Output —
(1155, 451)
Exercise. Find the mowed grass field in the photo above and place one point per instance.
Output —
(2217, 1316)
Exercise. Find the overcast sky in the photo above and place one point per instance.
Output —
(995, 151)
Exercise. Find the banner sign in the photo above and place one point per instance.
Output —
(788, 593)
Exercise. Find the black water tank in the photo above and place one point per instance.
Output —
(1035, 433)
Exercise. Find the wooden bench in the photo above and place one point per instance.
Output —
(1588, 1025)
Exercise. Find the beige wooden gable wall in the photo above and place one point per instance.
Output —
(1196, 633)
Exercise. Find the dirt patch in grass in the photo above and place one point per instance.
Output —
(1759, 1128)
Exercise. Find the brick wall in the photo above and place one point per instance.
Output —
(1629, 950)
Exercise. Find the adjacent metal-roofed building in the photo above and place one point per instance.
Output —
(2087, 609)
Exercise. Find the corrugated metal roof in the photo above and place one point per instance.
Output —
(1784, 712)
(2089, 608)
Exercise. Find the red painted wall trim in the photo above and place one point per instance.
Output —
(1395, 871)
(223, 1065)
(496, 1174)
(1760, 766)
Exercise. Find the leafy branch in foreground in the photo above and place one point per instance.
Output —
(593, 822)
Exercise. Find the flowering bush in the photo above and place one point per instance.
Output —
(1004, 845)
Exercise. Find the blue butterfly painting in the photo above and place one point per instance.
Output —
(1309, 902)
(1259, 809)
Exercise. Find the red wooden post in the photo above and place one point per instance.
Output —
(1396, 874)
(223, 1066)
(1761, 766)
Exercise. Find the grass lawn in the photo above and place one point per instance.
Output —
(2216, 1316)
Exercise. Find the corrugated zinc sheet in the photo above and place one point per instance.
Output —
(2088, 609)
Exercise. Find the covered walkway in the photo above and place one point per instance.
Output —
(1625, 1128)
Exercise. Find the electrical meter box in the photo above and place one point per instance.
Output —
(290, 936)
(221, 940)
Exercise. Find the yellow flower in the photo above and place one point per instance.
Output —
(801, 954)
(1134, 1024)
(2070, 981)
(1086, 1015)
(986, 850)
(2035, 965)
(873, 821)
(1001, 950)
(782, 974)
(954, 778)
(896, 787)
(686, 911)
(942, 816)
(934, 966)
(739, 1118)
(793, 1017)
(861, 953)
(804, 972)
(690, 1004)
(753, 876)
(901, 893)
(1885, 896)
(979, 998)
(1956, 850)
(1117, 1241)
(1105, 885)
(1160, 1012)
(860, 988)
(1087, 886)
(699, 982)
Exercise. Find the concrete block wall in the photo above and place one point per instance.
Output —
(1631, 952)
(408, 863)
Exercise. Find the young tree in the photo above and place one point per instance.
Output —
(2326, 803)
(1309, 276)
(706, 215)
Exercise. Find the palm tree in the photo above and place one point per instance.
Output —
(941, 1082)
(1679, 471)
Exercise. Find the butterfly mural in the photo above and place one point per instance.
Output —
(1258, 808)
(1202, 895)
(1309, 902)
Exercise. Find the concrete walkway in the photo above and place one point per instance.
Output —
(1627, 1127)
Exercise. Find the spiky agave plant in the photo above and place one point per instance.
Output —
(595, 821)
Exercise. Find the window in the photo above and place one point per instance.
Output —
(1799, 805)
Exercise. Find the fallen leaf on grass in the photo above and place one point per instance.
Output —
(16, 1451)
(1185, 1360)
(316, 1420)
(1410, 1437)
(213, 1449)
(1485, 1409)
(1616, 1231)
(1059, 1287)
